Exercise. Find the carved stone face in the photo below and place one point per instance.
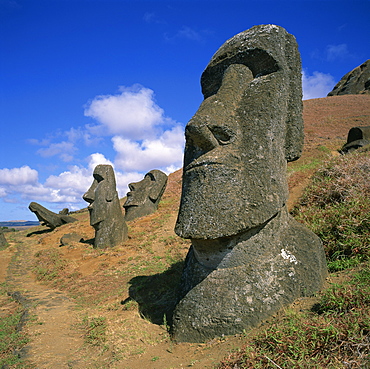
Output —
(101, 193)
(145, 195)
(239, 141)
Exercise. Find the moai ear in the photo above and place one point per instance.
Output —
(294, 124)
(159, 181)
(110, 184)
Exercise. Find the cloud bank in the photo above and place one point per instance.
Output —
(141, 138)
(139, 135)
(316, 85)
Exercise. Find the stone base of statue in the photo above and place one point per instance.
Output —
(234, 283)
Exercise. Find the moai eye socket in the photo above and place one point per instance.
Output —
(98, 177)
(222, 134)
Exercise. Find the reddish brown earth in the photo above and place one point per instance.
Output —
(89, 283)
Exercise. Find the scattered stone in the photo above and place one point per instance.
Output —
(70, 238)
(48, 218)
(357, 137)
(144, 196)
(356, 81)
(249, 257)
(105, 211)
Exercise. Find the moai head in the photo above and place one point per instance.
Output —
(105, 210)
(244, 132)
(145, 195)
(101, 193)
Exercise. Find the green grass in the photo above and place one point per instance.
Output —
(49, 263)
(12, 338)
(95, 330)
(336, 206)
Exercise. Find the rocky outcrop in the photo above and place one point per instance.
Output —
(356, 81)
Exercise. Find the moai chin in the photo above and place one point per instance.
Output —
(248, 257)
(105, 210)
(144, 196)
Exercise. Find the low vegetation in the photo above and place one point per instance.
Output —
(336, 206)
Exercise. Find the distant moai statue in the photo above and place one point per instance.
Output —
(105, 210)
(144, 196)
(357, 137)
(49, 218)
(248, 257)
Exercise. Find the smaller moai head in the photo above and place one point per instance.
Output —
(101, 194)
(145, 195)
(105, 211)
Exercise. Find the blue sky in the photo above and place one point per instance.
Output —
(86, 82)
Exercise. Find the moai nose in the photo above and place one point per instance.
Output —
(200, 135)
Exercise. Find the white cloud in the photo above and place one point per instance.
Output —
(132, 113)
(18, 176)
(143, 139)
(317, 85)
(97, 158)
(164, 152)
(64, 150)
(187, 33)
(335, 52)
(3, 192)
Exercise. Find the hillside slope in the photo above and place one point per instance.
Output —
(110, 308)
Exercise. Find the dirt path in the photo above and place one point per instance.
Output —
(51, 316)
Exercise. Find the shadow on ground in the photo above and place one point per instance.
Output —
(157, 294)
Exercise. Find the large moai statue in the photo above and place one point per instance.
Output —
(49, 218)
(144, 196)
(248, 257)
(105, 210)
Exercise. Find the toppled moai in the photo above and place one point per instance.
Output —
(249, 257)
(48, 218)
(105, 210)
(144, 196)
(357, 137)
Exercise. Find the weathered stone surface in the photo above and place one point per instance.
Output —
(105, 211)
(144, 196)
(357, 137)
(3, 241)
(64, 211)
(249, 257)
(357, 81)
(259, 272)
(48, 218)
(238, 143)
(70, 238)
